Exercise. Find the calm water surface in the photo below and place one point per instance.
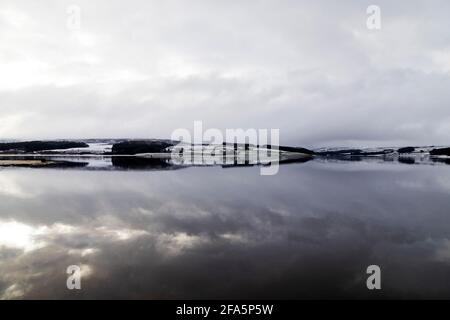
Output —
(308, 232)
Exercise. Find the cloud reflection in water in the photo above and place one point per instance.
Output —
(308, 232)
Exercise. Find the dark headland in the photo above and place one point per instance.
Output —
(127, 153)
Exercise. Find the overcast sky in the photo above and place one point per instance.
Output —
(140, 68)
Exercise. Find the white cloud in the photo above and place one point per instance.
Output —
(145, 68)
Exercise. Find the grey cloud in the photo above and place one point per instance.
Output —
(143, 69)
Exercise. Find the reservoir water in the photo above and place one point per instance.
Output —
(310, 231)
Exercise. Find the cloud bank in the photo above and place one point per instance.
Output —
(146, 68)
